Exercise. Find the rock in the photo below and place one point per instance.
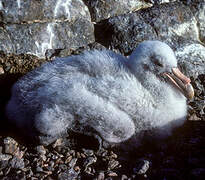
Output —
(3, 164)
(194, 117)
(191, 59)
(55, 25)
(37, 11)
(101, 176)
(5, 157)
(142, 167)
(58, 142)
(89, 161)
(16, 163)
(45, 36)
(112, 164)
(124, 32)
(88, 152)
(104, 9)
(6, 44)
(41, 150)
(172, 22)
(69, 174)
(72, 163)
(124, 177)
(1, 70)
(10, 146)
(112, 174)
(198, 8)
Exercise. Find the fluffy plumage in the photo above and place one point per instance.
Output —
(100, 91)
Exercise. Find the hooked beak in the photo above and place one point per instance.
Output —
(182, 82)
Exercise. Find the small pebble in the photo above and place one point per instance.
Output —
(10, 146)
(68, 159)
(1, 70)
(112, 174)
(101, 176)
(41, 150)
(142, 167)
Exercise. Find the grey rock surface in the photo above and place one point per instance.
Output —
(104, 9)
(56, 25)
(173, 23)
(6, 44)
(36, 38)
(30, 11)
(123, 33)
(191, 59)
(198, 9)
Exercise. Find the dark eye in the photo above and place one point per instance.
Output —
(156, 62)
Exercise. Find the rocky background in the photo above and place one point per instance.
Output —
(35, 31)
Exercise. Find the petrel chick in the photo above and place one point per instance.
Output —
(103, 93)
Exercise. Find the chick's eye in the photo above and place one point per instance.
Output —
(156, 60)
(158, 63)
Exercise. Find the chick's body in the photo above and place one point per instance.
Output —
(97, 89)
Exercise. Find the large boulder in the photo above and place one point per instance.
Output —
(173, 23)
(104, 9)
(34, 26)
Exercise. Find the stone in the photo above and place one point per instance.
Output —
(5, 157)
(124, 177)
(69, 174)
(88, 152)
(123, 33)
(10, 146)
(55, 25)
(58, 142)
(89, 161)
(104, 9)
(31, 11)
(1, 70)
(72, 163)
(198, 9)
(191, 59)
(142, 167)
(36, 38)
(173, 23)
(3, 164)
(41, 150)
(194, 117)
(101, 176)
(112, 174)
(112, 164)
(16, 163)
(6, 44)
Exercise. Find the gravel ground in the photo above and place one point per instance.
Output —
(181, 156)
